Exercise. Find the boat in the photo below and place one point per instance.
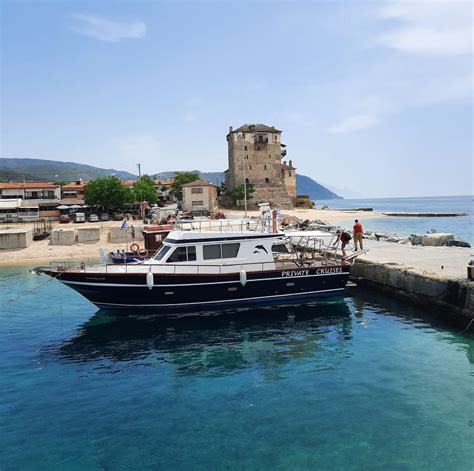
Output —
(153, 237)
(213, 268)
(128, 257)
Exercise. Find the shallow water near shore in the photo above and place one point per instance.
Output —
(360, 382)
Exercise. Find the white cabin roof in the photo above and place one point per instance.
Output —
(183, 237)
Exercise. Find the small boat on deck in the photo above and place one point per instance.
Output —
(128, 257)
(153, 237)
(198, 268)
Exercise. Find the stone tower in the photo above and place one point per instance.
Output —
(255, 153)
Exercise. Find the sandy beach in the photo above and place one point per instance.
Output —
(42, 251)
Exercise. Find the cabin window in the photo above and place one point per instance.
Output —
(179, 255)
(210, 252)
(191, 253)
(230, 250)
(162, 252)
(183, 254)
(197, 190)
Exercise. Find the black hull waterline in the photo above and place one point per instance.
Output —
(171, 292)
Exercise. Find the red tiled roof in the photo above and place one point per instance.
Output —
(74, 186)
(164, 182)
(28, 185)
(129, 182)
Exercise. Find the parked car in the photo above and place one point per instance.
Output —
(93, 218)
(79, 217)
(64, 219)
(119, 216)
(104, 217)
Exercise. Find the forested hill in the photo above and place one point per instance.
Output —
(52, 170)
(18, 170)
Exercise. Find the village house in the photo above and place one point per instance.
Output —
(73, 192)
(29, 201)
(163, 187)
(199, 197)
(255, 152)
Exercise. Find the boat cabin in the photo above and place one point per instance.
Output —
(211, 249)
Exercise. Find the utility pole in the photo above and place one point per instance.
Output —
(141, 192)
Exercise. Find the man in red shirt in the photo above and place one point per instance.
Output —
(358, 234)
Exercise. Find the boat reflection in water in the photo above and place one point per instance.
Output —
(215, 344)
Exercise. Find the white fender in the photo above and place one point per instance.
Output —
(243, 277)
(149, 280)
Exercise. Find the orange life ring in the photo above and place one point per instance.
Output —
(135, 248)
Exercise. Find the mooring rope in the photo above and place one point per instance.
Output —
(15, 298)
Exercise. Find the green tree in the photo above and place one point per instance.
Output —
(144, 190)
(108, 192)
(238, 193)
(180, 179)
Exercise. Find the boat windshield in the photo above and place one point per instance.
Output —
(162, 252)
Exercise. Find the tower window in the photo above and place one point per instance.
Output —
(245, 147)
(267, 180)
(250, 167)
(289, 174)
(247, 157)
(269, 156)
(264, 167)
(247, 181)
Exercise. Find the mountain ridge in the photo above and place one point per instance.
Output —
(19, 169)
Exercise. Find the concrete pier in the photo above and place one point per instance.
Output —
(88, 235)
(424, 215)
(118, 236)
(63, 237)
(11, 239)
(434, 275)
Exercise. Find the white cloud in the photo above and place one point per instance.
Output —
(107, 30)
(354, 123)
(434, 69)
(434, 27)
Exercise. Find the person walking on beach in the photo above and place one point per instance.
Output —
(358, 234)
(344, 237)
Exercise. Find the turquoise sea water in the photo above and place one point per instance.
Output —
(461, 226)
(356, 383)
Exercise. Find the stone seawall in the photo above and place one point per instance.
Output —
(454, 294)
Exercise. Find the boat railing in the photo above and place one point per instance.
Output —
(226, 225)
(183, 269)
(307, 245)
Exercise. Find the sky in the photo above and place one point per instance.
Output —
(372, 97)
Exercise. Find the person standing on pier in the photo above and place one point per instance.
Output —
(344, 237)
(358, 234)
